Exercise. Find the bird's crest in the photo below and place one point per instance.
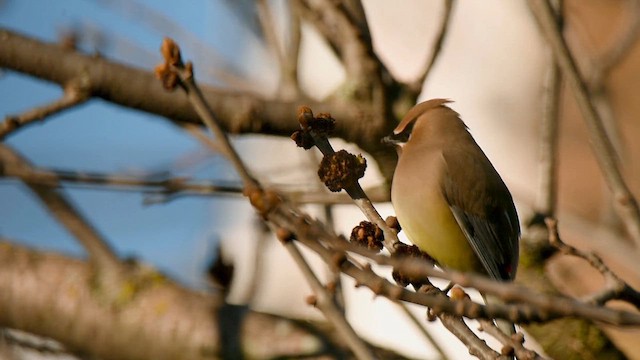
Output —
(418, 110)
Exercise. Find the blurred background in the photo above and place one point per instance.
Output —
(493, 66)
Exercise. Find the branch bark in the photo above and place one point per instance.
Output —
(604, 151)
(54, 296)
(238, 112)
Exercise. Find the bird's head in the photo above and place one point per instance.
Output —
(402, 132)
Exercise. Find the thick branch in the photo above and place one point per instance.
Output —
(53, 296)
(138, 89)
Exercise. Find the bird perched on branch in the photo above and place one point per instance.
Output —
(448, 197)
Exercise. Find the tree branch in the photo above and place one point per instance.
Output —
(53, 296)
(61, 208)
(73, 95)
(435, 49)
(324, 301)
(626, 204)
(238, 112)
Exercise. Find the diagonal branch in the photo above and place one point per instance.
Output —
(416, 86)
(253, 189)
(324, 301)
(100, 253)
(74, 94)
(626, 204)
(238, 112)
(477, 347)
(288, 86)
(366, 75)
(615, 287)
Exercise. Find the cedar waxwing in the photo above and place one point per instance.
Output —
(449, 199)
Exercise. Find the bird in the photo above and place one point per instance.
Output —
(449, 199)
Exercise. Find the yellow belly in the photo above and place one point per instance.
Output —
(428, 222)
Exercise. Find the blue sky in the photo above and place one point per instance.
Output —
(98, 136)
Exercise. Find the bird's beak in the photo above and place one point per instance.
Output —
(395, 139)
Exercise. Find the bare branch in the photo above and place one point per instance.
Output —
(615, 287)
(173, 322)
(437, 46)
(626, 204)
(288, 63)
(548, 155)
(523, 305)
(423, 330)
(238, 112)
(355, 191)
(349, 36)
(324, 302)
(258, 197)
(519, 350)
(166, 186)
(621, 47)
(174, 65)
(73, 95)
(61, 208)
(477, 347)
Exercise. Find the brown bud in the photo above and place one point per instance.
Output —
(518, 337)
(507, 350)
(305, 116)
(431, 315)
(263, 200)
(393, 223)
(170, 52)
(457, 293)
(167, 76)
(284, 235)
(367, 235)
(341, 170)
(323, 124)
(188, 70)
(312, 300)
(337, 259)
(411, 251)
(303, 139)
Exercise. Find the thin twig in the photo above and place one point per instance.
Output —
(436, 47)
(73, 96)
(615, 287)
(295, 41)
(627, 205)
(423, 330)
(523, 305)
(62, 209)
(328, 307)
(519, 350)
(477, 347)
(207, 116)
(252, 186)
(288, 86)
(627, 37)
(167, 186)
(172, 185)
(548, 156)
(355, 191)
